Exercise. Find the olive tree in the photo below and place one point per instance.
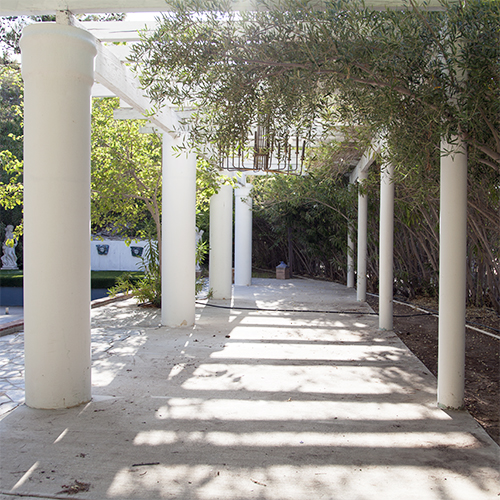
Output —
(400, 71)
(412, 75)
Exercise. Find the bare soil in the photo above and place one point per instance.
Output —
(482, 354)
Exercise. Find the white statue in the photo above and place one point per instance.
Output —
(9, 259)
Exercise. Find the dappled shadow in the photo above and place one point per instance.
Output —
(250, 405)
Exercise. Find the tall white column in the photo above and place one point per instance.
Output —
(452, 274)
(178, 276)
(57, 67)
(220, 267)
(362, 240)
(243, 236)
(386, 241)
(350, 255)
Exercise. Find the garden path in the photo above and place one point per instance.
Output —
(251, 404)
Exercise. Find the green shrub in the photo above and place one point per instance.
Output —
(99, 279)
(147, 289)
(11, 278)
(108, 279)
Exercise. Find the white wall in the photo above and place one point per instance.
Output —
(119, 257)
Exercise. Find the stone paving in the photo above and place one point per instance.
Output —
(12, 363)
(104, 338)
(12, 355)
(11, 372)
(249, 403)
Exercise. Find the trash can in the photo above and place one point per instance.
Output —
(282, 271)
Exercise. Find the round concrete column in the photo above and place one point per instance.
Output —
(221, 243)
(243, 236)
(350, 255)
(386, 241)
(57, 67)
(178, 275)
(452, 274)
(362, 240)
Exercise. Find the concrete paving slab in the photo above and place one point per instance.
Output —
(12, 317)
(251, 405)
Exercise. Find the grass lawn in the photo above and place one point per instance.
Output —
(99, 279)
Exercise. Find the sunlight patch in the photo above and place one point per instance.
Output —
(262, 410)
(334, 438)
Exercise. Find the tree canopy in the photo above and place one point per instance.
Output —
(416, 75)
(11, 151)
(126, 174)
(411, 75)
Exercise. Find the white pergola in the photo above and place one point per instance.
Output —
(60, 64)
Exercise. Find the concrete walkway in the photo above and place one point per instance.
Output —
(251, 405)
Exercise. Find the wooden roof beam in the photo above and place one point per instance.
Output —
(40, 7)
(119, 79)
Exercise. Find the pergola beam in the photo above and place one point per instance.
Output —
(365, 161)
(114, 75)
(43, 7)
(118, 31)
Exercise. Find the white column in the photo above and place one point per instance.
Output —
(243, 236)
(350, 255)
(452, 275)
(178, 275)
(386, 242)
(362, 240)
(57, 67)
(220, 267)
